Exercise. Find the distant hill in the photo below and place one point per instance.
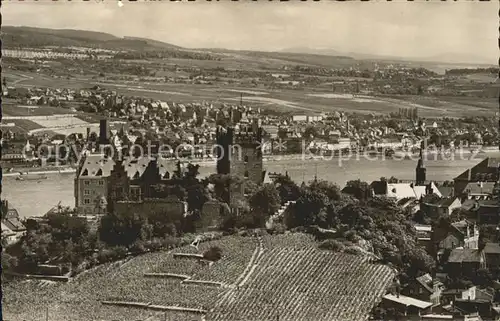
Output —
(445, 58)
(14, 37)
(155, 43)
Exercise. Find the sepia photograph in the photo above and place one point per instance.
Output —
(250, 161)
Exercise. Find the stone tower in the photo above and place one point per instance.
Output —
(240, 151)
(420, 171)
(240, 154)
(119, 185)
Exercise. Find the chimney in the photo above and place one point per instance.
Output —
(88, 133)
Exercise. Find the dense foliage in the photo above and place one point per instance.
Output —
(377, 225)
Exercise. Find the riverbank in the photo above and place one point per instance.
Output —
(15, 173)
(211, 162)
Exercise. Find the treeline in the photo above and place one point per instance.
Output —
(354, 222)
(470, 71)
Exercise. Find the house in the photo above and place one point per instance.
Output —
(475, 300)
(424, 288)
(462, 234)
(488, 212)
(11, 219)
(8, 236)
(478, 190)
(405, 305)
(464, 261)
(492, 256)
(485, 171)
(440, 207)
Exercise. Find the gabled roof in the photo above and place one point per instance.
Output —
(443, 202)
(6, 231)
(426, 281)
(422, 190)
(487, 166)
(475, 188)
(14, 224)
(94, 163)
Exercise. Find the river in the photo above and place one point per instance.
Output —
(32, 198)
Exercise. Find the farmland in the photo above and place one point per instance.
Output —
(318, 98)
(260, 275)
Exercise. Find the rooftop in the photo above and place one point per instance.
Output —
(464, 255)
(407, 301)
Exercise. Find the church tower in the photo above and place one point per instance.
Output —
(420, 170)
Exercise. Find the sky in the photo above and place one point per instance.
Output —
(457, 30)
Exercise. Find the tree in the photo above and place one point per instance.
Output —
(121, 229)
(331, 191)
(264, 203)
(93, 137)
(213, 254)
(287, 189)
(306, 210)
(358, 189)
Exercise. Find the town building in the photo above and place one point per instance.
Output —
(425, 288)
(485, 171)
(440, 207)
(458, 235)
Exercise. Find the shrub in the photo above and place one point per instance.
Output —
(332, 245)
(213, 254)
(154, 244)
(138, 247)
(278, 228)
(353, 250)
(352, 236)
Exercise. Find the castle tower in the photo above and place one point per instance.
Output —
(103, 132)
(246, 160)
(420, 171)
(239, 153)
(119, 185)
(224, 139)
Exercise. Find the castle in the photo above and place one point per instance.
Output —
(105, 183)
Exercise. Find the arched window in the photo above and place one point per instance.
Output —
(85, 172)
(166, 175)
(246, 159)
(246, 174)
(99, 172)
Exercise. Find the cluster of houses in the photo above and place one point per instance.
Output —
(457, 247)
(48, 55)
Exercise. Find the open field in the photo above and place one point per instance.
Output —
(297, 101)
(251, 269)
(13, 109)
(24, 125)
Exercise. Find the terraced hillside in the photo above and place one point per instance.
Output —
(257, 278)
